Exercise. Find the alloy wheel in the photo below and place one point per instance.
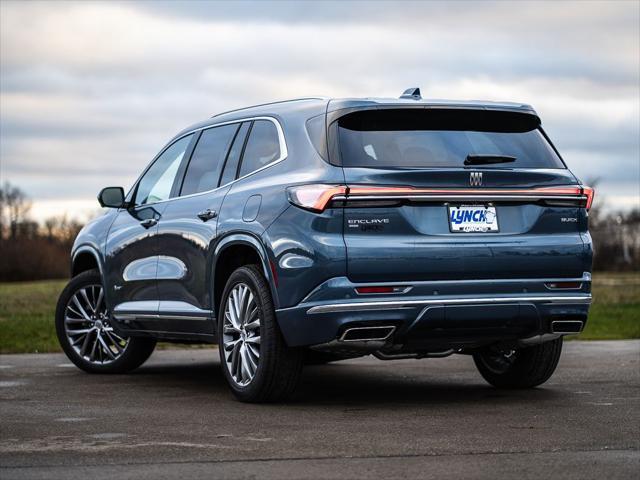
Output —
(88, 329)
(241, 334)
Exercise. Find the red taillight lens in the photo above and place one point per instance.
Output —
(314, 197)
(590, 193)
(365, 290)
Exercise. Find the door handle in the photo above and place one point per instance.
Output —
(207, 214)
(149, 222)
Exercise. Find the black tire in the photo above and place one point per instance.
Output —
(278, 366)
(136, 351)
(523, 368)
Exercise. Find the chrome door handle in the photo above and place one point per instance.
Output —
(207, 214)
(149, 222)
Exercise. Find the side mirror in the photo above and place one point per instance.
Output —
(111, 197)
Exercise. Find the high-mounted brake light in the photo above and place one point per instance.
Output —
(314, 197)
(590, 193)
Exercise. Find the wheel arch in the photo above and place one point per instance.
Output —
(85, 258)
(234, 251)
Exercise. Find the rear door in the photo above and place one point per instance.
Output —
(437, 194)
(187, 234)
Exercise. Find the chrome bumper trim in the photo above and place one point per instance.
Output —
(400, 305)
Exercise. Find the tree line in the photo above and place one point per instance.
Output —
(34, 251)
(30, 250)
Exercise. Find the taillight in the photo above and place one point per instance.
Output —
(314, 197)
(317, 197)
(590, 193)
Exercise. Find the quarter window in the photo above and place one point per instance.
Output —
(231, 167)
(207, 160)
(263, 147)
(157, 182)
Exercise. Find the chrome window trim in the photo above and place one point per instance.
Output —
(284, 153)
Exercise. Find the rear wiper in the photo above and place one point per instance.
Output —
(487, 159)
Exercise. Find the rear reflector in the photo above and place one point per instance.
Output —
(563, 285)
(379, 290)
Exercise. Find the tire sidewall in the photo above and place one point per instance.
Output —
(533, 366)
(136, 352)
(250, 277)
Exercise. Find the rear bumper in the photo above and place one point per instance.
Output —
(437, 314)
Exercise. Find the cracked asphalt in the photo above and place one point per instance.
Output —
(174, 417)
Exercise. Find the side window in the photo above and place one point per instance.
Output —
(230, 168)
(156, 183)
(263, 147)
(207, 160)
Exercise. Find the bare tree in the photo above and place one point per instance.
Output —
(17, 205)
(3, 222)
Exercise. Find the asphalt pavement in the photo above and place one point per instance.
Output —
(363, 418)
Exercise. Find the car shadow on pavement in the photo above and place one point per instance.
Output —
(343, 384)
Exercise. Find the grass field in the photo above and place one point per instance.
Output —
(27, 311)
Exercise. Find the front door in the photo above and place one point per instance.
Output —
(131, 250)
(130, 266)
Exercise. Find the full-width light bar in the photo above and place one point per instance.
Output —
(317, 197)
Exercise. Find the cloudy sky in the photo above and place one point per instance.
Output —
(90, 91)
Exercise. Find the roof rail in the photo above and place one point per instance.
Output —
(268, 103)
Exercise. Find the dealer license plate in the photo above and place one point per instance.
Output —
(473, 219)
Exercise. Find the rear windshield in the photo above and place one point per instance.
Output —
(424, 138)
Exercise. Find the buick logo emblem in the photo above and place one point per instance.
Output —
(475, 179)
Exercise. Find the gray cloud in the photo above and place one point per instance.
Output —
(90, 91)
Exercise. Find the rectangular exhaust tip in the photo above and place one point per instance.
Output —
(567, 326)
(361, 334)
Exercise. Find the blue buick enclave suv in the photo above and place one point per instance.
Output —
(319, 229)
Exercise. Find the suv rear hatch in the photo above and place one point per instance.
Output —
(448, 194)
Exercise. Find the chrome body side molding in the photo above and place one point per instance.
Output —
(160, 310)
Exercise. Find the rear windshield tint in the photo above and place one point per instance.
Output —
(425, 138)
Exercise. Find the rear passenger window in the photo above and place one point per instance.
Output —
(207, 160)
(263, 147)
